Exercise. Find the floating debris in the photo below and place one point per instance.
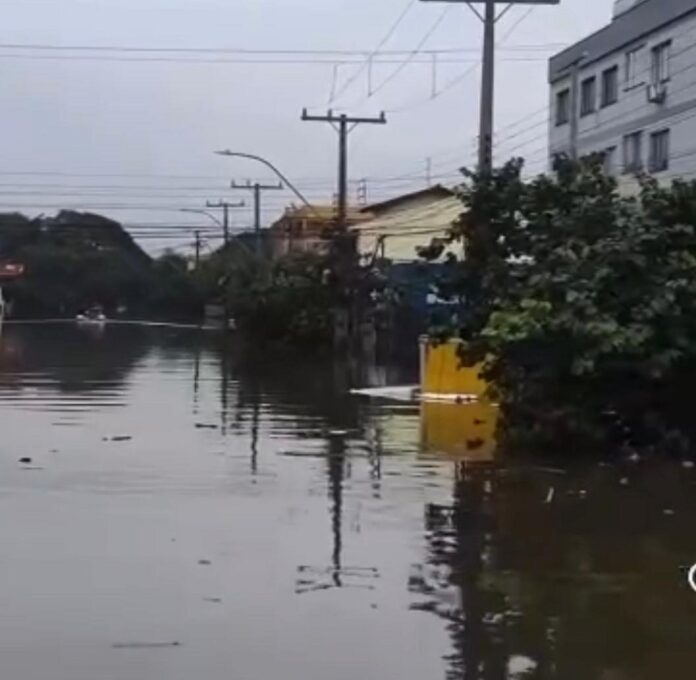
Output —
(668, 511)
(145, 645)
(25, 461)
(520, 667)
(118, 438)
(582, 493)
(206, 426)
(204, 563)
(623, 481)
(549, 496)
(688, 464)
(213, 600)
(338, 433)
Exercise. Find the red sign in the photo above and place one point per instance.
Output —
(11, 270)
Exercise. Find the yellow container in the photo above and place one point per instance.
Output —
(443, 375)
(460, 431)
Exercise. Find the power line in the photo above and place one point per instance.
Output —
(387, 36)
(48, 47)
(413, 54)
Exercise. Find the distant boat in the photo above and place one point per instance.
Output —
(93, 316)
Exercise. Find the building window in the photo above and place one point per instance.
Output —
(609, 160)
(660, 62)
(563, 107)
(588, 96)
(633, 152)
(610, 86)
(659, 151)
(634, 75)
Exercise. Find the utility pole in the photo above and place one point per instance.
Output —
(197, 246)
(343, 245)
(362, 192)
(487, 91)
(489, 19)
(257, 188)
(344, 125)
(225, 215)
(575, 104)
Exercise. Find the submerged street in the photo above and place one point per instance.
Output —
(184, 511)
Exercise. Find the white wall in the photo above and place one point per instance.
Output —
(607, 127)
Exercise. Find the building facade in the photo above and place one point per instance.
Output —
(304, 229)
(397, 228)
(628, 92)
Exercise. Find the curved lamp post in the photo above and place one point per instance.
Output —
(268, 164)
(198, 211)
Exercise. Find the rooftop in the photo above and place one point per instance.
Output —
(437, 191)
(626, 28)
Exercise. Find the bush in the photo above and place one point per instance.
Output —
(581, 302)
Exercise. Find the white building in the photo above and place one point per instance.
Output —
(628, 91)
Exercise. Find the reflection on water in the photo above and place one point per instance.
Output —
(264, 519)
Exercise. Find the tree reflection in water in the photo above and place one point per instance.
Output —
(586, 586)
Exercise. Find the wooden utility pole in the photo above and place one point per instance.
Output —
(344, 124)
(225, 215)
(489, 19)
(197, 247)
(342, 243)
(257, 188)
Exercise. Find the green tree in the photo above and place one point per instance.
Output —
(289, 301)
(581, 302)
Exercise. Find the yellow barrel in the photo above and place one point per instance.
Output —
(442, 373)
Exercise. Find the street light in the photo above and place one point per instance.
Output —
(268, 164)
(198, 211)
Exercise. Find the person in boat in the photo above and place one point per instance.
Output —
(94, 313)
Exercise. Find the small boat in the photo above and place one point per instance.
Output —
(93, 316)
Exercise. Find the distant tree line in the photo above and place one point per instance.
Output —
(75, 260)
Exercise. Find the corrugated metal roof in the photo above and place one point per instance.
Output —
(626, 28)
(431, 217)
(326, 212)
(437, 191)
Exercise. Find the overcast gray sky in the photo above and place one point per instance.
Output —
(91, 116)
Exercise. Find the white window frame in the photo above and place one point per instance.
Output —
(633, 69)
(633, 143)
(659, 162)
(661, 56)
(563, 113)
(587, 110)
(604, 100)
(609, 160)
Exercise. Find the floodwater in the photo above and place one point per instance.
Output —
(192, 513)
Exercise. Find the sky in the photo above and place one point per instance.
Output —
(131, 132)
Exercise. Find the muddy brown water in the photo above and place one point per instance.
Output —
(189, 512)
